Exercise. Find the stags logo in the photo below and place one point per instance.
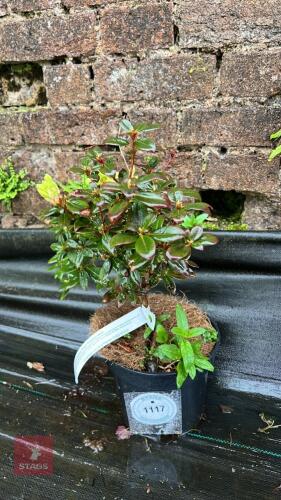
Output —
(33, 455)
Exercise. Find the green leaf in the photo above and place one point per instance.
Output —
(182, 321)
(147, 332)
(137, 262)
(275, 152)
(187, 334)
(181, 332)
(192, 372)
(192, 193)
(145, 247)
(179, 269)
(196, 233)
(116, 210)
(76, 205)
(204, 364)
(198, 206)
(169, 233)
(104, 179)
(146, 181)
(194, 220)
(167, 352)
(49, 190)
(151, 161)
(106, 244)
(145, 145)
(146, 127)
(83, 279)
(161, 334)
(151, 199)
(276, 135)
(104, 270)
(176, 252)
(187, 354)
(196, 332)
(181, 374)
(163, 317)
(136, 277)
(126, 126)
(122, 239)
(117, 141)
(149, 220)
(76, 258)
(208, 239)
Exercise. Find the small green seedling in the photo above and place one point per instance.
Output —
(277, 150)
(12, 183)
(178, 348)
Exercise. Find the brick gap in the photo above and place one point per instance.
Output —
(77, 60)
(29, 14)
(92, 76)
(65, 9)
(219, 55)
(22, 84)
(225, 204)
(223, 151)
(176, 34)
(58, 60)
(186, 149)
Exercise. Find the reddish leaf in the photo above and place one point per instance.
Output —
(178, 252)
(169, 233)
(116, 210)
(122, 239)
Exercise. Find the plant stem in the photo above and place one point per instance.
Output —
(133, 158)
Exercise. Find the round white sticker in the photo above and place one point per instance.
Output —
(153, 408)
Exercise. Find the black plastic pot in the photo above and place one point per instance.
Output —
(152, 404)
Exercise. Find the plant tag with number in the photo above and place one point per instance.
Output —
(110, 333)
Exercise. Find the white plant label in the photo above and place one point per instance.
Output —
(153, 408)
(110, 333)
(154, 412)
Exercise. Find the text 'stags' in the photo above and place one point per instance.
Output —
(33, 455)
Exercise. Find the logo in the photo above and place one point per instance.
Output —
(33, 455)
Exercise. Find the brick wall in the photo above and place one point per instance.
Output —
(208, 71)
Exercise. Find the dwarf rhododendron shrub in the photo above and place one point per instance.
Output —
(124, 222)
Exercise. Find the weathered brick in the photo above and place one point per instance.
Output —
(251, 74)
(248, 126)
(29, 202)
(132, 28)
(262, 213)
(68, 84)
(166, 136)
(178, 76)
(78, 127)
(88, 3)
(79, 3)
(65, 160)
(21, 85)
(9, 221)
(32, 5)
(37, 160)
(214, 23)
(11, 131)
(240, 171)
(3, 8)
(187, 169)
(48, 36)
(69, 127)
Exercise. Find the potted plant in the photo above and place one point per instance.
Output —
(125, 224)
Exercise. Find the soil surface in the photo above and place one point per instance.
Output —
(131, 352)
